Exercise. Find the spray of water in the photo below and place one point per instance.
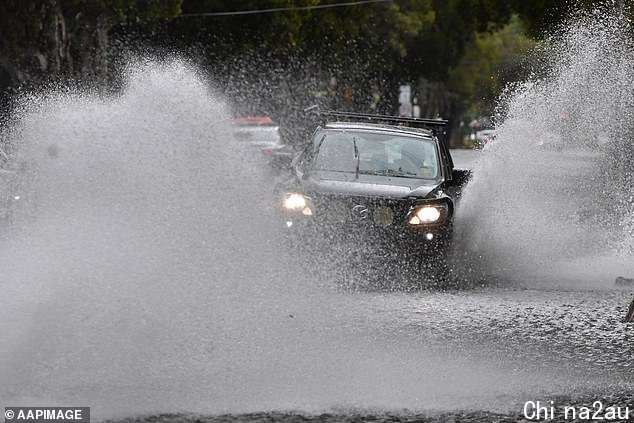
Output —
(552, 197)
(141, 244)
(150, 275)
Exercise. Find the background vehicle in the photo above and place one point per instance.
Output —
(483, 137)
(264, 135)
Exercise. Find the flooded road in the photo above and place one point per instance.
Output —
(153, 276)
(266, 334)
(471, 355)
(213, 315)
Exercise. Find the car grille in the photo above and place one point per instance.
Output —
(361, 211)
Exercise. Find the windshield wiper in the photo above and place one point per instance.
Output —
(390, 172)
(357, 156)
(399, 172)
(321, 141)
(311, 154)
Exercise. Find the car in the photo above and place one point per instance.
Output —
(483, 137)
(262, 134)
(372, 181)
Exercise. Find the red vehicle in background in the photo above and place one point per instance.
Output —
(263, 134)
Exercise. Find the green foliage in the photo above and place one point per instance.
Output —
(123, 10)
(406, 37)
(490, 60)
(540, 16)
(472, 47)
(22, 21)
(43, 39)
(437, 48)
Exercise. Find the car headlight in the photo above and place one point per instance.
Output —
(296, 202)
(426, 214)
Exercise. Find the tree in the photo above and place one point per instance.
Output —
(490, 61)
(48, 38)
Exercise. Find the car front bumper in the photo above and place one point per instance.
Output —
(364, 234)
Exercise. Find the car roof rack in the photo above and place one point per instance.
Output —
(433, 124)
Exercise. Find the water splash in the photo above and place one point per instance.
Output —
(151, 275)
(552, 197)
(147, 230)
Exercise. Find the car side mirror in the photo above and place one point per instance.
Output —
(460, 177)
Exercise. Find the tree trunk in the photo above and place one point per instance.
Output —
(90, 45)
(57, 42)
(52, 52)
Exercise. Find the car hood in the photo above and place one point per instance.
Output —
(368, 185)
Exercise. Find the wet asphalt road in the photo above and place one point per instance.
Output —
(490, 350)
(474, 355)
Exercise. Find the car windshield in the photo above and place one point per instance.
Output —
(372, 153)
